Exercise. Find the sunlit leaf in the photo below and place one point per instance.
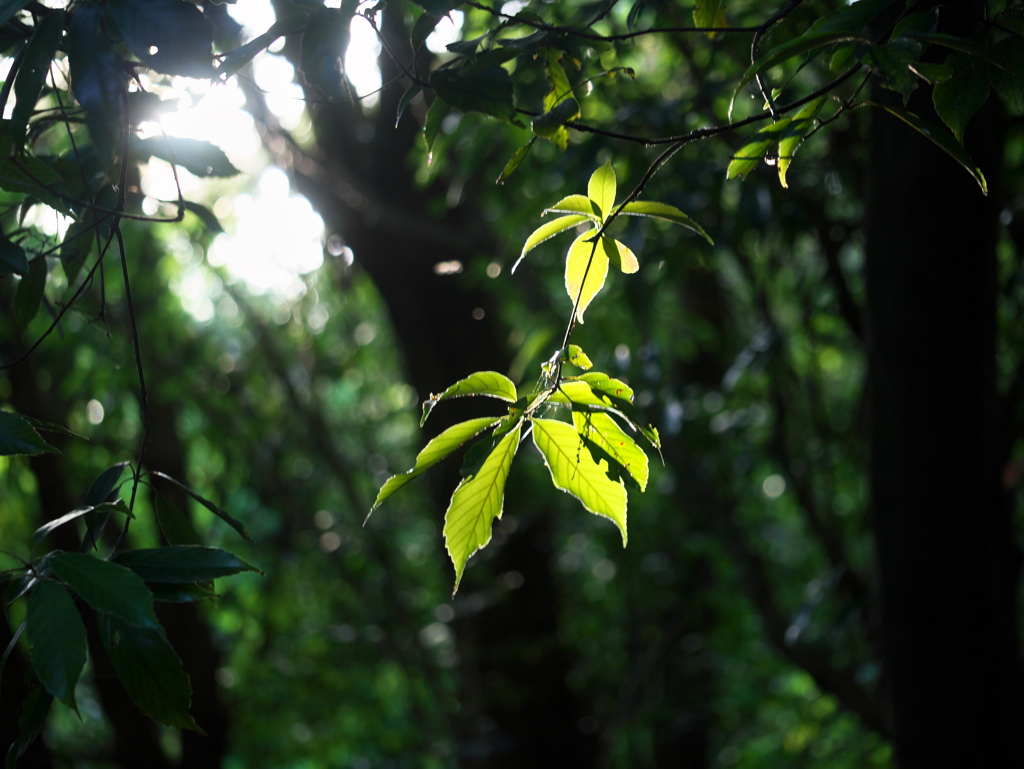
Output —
(790, 143)
(515, 161)
(710, 13)
(489, 383)
(575, 355)
(665, 212)
(620, 255)
(601, 188)
(575, 204)
(149, 670)
(586, 268)
(609, 386)
(56, 639)
(551, 125)
(549, 230)
(477, 502)
(574, 471)
(605, 432)
(436, 450)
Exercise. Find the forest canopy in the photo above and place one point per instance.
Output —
(794, 235)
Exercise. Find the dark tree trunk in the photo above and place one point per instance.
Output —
(946, 556)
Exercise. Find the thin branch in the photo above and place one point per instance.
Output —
(762, 85)
(574, 32)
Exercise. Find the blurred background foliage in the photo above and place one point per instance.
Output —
(738, 627)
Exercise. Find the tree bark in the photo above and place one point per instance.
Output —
(947, 562)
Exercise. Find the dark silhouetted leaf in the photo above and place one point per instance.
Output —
(56, 639)
(149, 669)
(181, 564)
(106, 587)
(12, 258)
(34, 709)
(169, 36)
(32, 73)
(488, 90)
(198, 157)
(29, 295)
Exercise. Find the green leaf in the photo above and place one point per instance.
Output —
(750, 155)
(201, 158)
(29, 295)
(477, 502)
(620, 255)
(576, 204)
(106, 587)
(549, 230)
(181, 564)
(432, 126)
(149, 669)
(793, 138)
(118, 507)
(489, 383)
(206, 216)
(218, 511)
(323, 49)
(601, 189)
(176, 528)
(56, 640)
(12, 258)
(17, 436)
(488, 90)
(436, 450)
(574, 471)
(422, 29)
(941, 138)
(666, 213)
(411, 93)
(551, 124)
(516, 160)
(32, 73)
(1008, 78)
(574, 354)
(437, 7)
(847, 24)
(603, 431)
(710, 13)
(102, 489)
(34, 709)
(169, 36)
(609, 387)
(586, 268)
(958, 98)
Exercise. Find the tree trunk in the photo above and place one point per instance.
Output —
(946, 557)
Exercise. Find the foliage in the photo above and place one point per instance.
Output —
(551, 75)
